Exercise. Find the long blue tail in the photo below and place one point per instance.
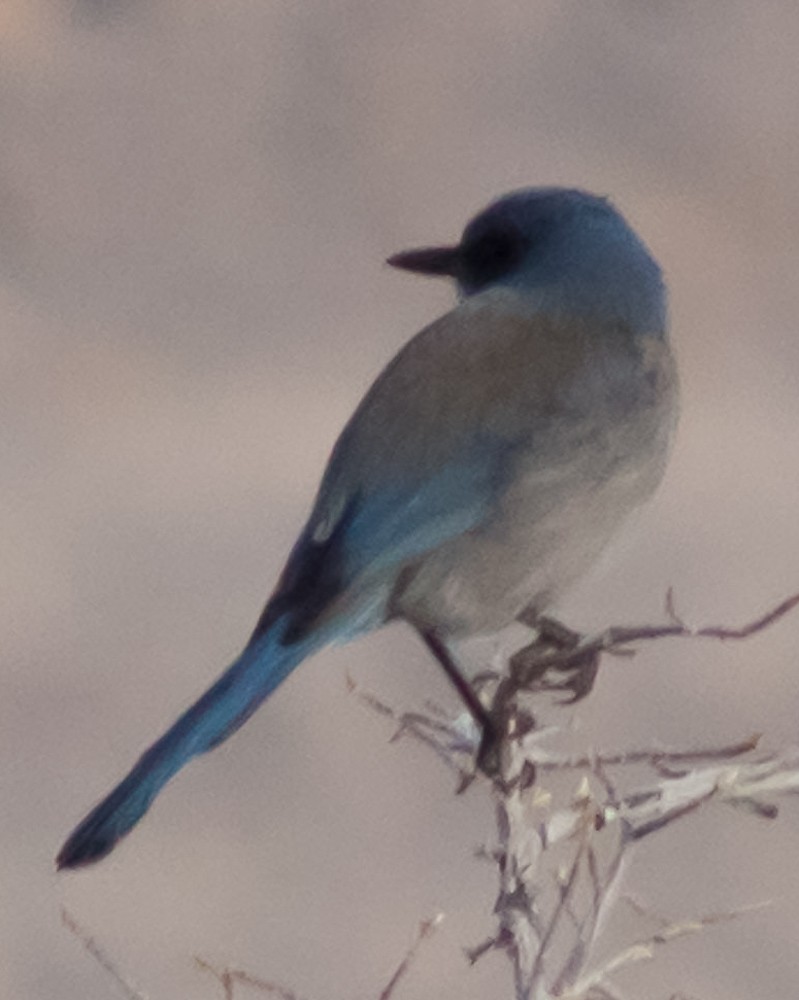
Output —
(216, 715)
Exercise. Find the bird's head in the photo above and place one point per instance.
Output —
(568, 251)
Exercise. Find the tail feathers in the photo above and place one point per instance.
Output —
(212, 719)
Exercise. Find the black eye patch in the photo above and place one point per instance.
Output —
(490, 255)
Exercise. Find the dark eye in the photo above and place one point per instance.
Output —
(490, 256)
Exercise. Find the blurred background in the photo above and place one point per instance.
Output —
(196, 200)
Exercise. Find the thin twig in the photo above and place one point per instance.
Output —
(426, 928)
(566, 887)
(228, 978)
(422, 728)
(644, 949)
(623, 635)
(654, 756)
(99, 955)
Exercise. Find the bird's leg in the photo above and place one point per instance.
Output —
(487, 756)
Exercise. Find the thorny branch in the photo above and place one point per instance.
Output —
(100, 956)
(561, 852)
(229, 979)
(560, 856)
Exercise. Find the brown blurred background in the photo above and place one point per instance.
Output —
(195, 202)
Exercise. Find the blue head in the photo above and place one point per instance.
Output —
(569, 251)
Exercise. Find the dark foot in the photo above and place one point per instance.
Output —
(489, 753)
(558, 635)
(554, 660)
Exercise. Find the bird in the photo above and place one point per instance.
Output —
(482, 474)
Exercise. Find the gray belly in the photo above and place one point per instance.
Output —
(565, 502)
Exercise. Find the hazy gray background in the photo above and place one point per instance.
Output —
(195, 202)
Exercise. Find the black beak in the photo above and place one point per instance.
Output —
(433, 261)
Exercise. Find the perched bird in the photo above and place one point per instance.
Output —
(483, 472)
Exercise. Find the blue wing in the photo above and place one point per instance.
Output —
(420, 462)
(423, 460)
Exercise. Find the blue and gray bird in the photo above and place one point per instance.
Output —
(481, 475)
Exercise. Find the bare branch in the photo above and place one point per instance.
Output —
(580, 846)
(228, 978)
(615, 638)
(644, 950)
(545, 761)
(99, 955)
(566, 824)
(751, 785)
(426, 928)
